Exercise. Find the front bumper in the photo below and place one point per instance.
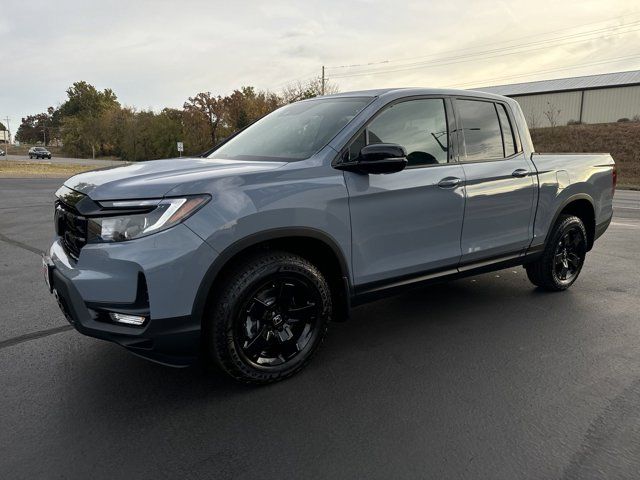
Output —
(107, 277)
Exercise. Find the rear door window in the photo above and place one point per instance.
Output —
(481, 129)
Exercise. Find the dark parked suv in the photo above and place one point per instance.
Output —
(39, 152)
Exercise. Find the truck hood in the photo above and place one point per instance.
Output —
(153, 179)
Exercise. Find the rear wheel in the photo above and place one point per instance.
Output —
(563, 256)
(269, 319)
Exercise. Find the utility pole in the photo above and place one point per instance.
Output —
(322, 91)
(8, 137)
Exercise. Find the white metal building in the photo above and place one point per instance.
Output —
(592, 99)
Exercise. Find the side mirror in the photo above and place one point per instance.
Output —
(378, 158)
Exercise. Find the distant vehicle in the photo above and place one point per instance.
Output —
(246, 255)
(39, 152)
(2, 152)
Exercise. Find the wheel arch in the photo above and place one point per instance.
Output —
(310, 243)
(582, 206)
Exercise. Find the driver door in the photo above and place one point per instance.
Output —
(407, 223)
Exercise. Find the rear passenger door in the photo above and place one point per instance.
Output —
(500, 189)
(409, 222)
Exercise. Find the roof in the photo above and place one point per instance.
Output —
(567, 84)
(362, 93)
(411, 91)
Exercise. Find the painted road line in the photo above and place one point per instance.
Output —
(625, 225)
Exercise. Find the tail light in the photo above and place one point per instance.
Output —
(614, 178)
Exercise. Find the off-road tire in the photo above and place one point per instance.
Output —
(542, 271)
(221, 346)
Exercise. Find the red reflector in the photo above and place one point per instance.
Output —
(614, 178)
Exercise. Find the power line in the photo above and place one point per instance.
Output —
(493, 53)
(473, 53)
(551, 70)
(360, 64)
(292, 81)
(503, 42)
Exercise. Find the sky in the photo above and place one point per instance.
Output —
(158, 53)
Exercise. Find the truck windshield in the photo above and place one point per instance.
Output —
(293, 132)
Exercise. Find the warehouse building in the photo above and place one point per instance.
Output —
(602, 98)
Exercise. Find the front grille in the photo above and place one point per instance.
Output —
(71, 227)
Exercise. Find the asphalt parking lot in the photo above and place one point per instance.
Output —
(480, 378)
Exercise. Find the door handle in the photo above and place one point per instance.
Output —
(520, 173)
(449, 182)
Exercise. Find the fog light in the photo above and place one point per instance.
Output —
(128, 319)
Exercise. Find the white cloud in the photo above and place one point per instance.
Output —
(158, 53)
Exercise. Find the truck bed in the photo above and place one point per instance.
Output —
(564, 178)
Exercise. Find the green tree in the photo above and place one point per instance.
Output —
(27, 130)
(92, 122)
(245, 106)
(83, 118)
(196, 133)
(42, 127)
(83, 98)
(210, 109)
(143, 135)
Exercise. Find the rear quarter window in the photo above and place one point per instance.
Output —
(507, 131)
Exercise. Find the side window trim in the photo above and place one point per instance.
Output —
(514, 127)
(452, 129)
(504, 145)
(448, 110)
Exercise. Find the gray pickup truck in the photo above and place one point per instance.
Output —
(243, 256)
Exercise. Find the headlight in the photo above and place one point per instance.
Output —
(129, 219)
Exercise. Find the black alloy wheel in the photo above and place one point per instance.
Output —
(563, 256)
(268, 317)
(278, 320)
(569, 254)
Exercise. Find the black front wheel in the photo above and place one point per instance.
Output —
(563, 256)
(269, 318)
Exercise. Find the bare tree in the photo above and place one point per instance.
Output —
(552, 113)
(532, 120)
(309, 89)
